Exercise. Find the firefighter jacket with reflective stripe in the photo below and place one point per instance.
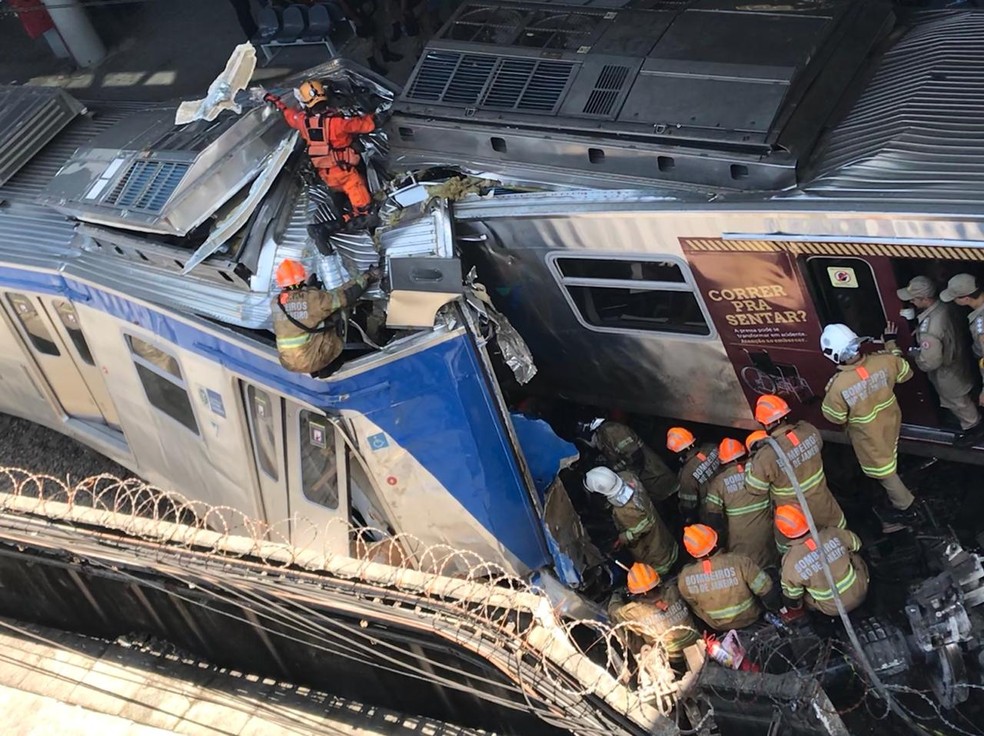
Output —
(624, 450)
(942, 351)
(309, 352)
(747, 512)
(696, 473)
(802, 444)
(803, 576)
(660, 617)
(642, 530)
(862, 396)
(329, 136)
(722, 590)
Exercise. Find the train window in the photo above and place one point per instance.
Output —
(847, 293)
(633, 294)
(319, 464)
(70, 319)
(33, 324)
(264, 433)
(162, 381)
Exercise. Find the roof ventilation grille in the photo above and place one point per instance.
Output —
(546, 85)
(602, 99)
(469, 79)
(433, 76)
(147, 185)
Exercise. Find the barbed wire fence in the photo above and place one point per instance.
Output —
(594, 657)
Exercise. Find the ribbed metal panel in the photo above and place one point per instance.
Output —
(29, 118)
(917, 132)
(34, 235)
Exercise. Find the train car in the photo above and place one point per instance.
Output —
(685, 204)
(113, 334)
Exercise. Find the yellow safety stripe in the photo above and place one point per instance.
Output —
(883, 472)
(837, 417)
(713, 500)
(792, 591)
(842, 586)
(665, 567)
(906, 370)
(754, 482)
(759, 583)
(873, 414)
(287, 343)
(731, 611)
(748, 509)
(807, 484)
(634, 533)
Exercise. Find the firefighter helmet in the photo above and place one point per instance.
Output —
(310, 92)
(757, 436)
(770, 409)
(679, 439)
(699, 539)
(791, 522)
(642, 578)
(839, 343)
(730, 449)
(605, 482)
(290, 273)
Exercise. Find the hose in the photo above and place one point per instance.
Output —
(879, 686)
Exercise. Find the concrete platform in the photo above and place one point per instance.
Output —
(53, 682)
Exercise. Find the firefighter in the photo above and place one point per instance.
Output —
(802, 576)
(699, 464)
(640, 527)
(741, 511)
(623, 450)
(722, 587)
(862, 395)
(939, 351)
(802, 444)
(307, 340)
(329, 136)
(963, 290)
(654, 612)
(753, 439)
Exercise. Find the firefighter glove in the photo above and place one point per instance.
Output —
(890, 332)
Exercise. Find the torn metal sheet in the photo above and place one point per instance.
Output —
(223, 90)
(29, 118)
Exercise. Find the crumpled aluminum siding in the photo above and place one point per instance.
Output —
(917, 132)
(29, 118)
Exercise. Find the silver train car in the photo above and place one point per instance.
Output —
(685, 201)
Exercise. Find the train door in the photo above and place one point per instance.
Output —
(317, 475)
(855, 292)
(55, 359)
(265, 417)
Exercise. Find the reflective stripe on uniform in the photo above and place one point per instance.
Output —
(758, 584)
(882, 472)
(713, 500)
(665, 568)
(754, 482)
(843, 585)
(806, 484)
(873, 414)
(749, 509)
(792, 591)
(731, 611)
(904, 372)
(634, 533)
(288, 343)
(833, 415)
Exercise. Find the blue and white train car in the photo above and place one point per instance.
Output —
(113, 333)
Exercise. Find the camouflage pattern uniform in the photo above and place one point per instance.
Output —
(642, 530)
(722, 588)
(309, 352)
(624, 450)
(803, 576)
(698, 469)
(943, 357)
(659, 617)
(862, 395)
(747, 513)
(802, 444)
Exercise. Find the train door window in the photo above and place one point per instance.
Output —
(31, 321)
(70, 319)
(846, 292)
(262, 423)
(319, 460)
(616, 294)
(162, 381)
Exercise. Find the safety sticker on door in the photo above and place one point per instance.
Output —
(842, 277)
(377, 441)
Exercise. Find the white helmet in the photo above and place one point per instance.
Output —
(839, 343)
(604, 481)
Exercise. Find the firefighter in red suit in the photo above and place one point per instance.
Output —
(329, 137)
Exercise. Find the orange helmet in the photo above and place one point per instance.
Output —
(290, 273)
(699, 540)
(753, 437)
(642, 578)
(679, 439)
(770, 409)
(730, 449)
(310, 92)
(791, 522)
